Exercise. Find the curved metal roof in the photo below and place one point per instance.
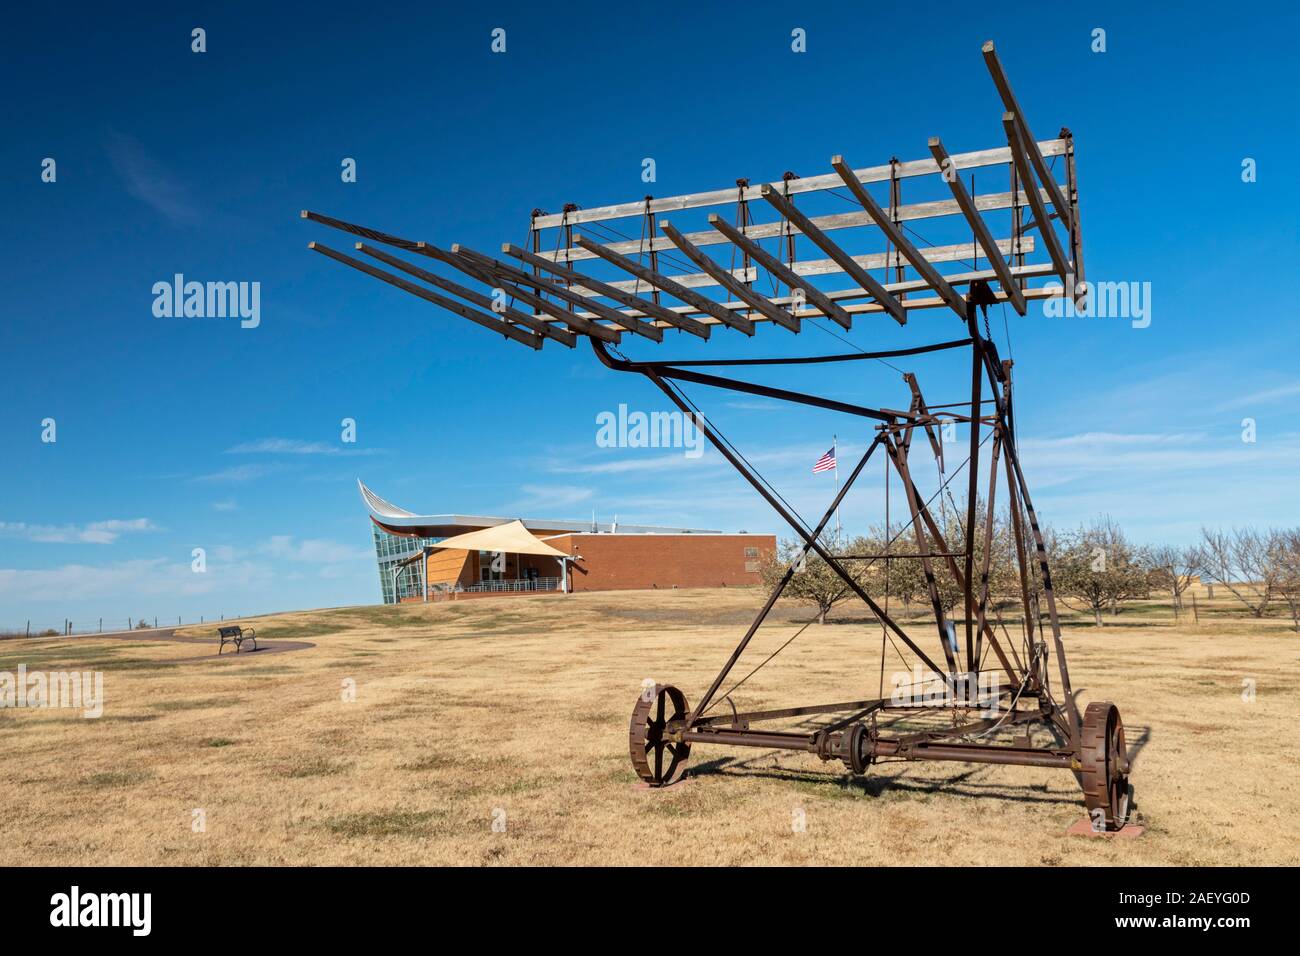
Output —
(388, 515)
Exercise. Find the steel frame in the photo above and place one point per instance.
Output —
(566, 300)
(894, 434)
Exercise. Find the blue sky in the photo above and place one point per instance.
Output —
(174, 434)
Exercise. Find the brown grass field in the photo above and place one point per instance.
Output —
(516, 710)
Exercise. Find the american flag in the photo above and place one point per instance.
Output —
(826, 462)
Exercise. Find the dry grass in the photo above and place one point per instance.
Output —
(519, 706)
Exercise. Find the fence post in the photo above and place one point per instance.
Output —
(1196, 614)
(29, 628)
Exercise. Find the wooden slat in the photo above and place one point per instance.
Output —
(374, 235)
(519, 277)
(692, 280)
(565, 338)
(991, 250)
(719, 197)
(828, 246)
(909, 285)
(451, 305)
(665, 284)
(779, 269)
(484, 271)
(895, 235)
(769, 230)
(579, 322)
(724, 279)
(585, 285)
(1046, 230)
(879, 260)
(1031, 148)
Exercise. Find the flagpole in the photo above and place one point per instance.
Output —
(836, 452)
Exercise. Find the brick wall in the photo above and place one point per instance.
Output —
(623, 561)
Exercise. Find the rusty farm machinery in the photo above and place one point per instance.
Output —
(674, 280)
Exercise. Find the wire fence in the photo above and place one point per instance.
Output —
(70, 627)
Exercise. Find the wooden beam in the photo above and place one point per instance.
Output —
(519, 277)
(644, 306)
(662, 282)
(724, 279)
(895, 235)
(909, 285)
(779, 269)
(724, 197)
(565, 338)
(487, 321)
(877, 260)
(1054, 250)
(981, 229)
(1030, 147)
(373, 235)
(578, 322)
(768, 230)
(828, 246)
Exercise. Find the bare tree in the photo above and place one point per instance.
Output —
(1173, 569)
(1097, 565)
(814, 582)
(1286, 558)
(1242, 561)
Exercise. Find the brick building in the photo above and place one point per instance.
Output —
(424, 556)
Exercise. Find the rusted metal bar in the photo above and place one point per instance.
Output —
(703, 705)
(786, 712)
(973, 474)
(989, 507)
(898, 456)
(979, 753)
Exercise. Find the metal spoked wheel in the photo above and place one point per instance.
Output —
(1104, 757)
(657, 760)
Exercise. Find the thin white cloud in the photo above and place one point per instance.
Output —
(229, 504)
(149, 181)
(238, 473)
(551, 499)
(96, 532)
(311, 550)
(145, 577)
(1263, 397)
(296, 446)
(622, 466)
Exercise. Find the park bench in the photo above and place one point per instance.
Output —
(234, 634)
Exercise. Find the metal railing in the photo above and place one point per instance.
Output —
(516, 584)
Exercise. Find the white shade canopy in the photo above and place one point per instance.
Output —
(512, 538)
